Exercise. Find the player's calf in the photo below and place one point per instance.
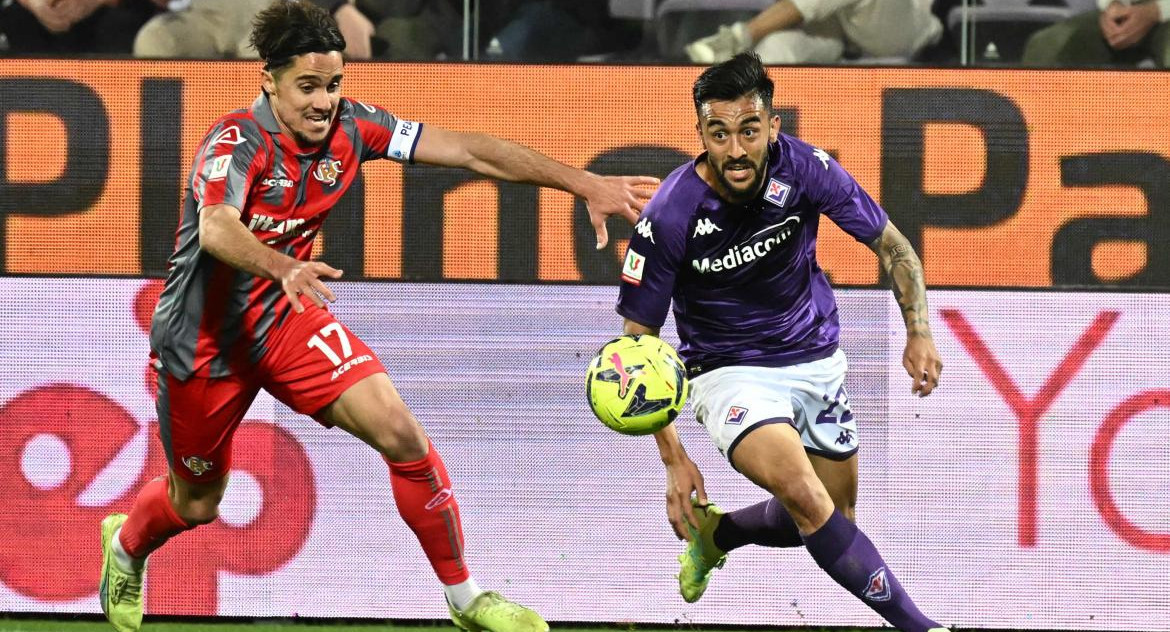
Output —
(851, 559)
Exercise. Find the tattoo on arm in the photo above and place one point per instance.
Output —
(908, 282)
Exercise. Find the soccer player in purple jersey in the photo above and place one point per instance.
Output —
(731, 239)
(244, 307)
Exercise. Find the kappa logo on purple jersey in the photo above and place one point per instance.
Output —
(735, 415)
(878, 589)
(777, 192)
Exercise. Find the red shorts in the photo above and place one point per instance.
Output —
(311, 360)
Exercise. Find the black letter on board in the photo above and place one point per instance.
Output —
(1072, 247)
(87, 136)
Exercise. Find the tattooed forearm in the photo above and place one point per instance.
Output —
(906, 279)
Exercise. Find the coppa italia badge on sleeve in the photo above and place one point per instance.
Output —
(632, 270)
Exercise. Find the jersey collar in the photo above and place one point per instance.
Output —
(262, 112)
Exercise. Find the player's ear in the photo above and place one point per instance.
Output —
(699, 131)
(267, 82)
(774, 126)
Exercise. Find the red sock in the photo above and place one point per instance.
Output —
(152, 520)
(422, 491)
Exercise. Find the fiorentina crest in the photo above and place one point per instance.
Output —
(878, 589)
(777, 192)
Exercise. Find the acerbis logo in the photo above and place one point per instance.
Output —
(643, 228)
(705, 227)
(443, 496)
(230, 135)
(350, 364)
(283, 183)
(755, 247)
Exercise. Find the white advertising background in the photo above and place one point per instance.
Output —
(568, 517)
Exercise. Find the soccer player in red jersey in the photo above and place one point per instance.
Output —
(244, 307)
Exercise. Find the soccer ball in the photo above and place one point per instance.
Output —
(636, 385)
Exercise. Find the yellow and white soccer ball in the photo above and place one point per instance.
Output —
(637, 384)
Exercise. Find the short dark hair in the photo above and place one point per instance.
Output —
(741, 75)
(288, 28)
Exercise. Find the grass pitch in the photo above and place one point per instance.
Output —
(98, 625)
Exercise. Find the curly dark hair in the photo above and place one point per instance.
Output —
(739, 76)
(288, 28)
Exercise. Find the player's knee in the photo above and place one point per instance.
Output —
(805, 499)
(197, 504)
(848, 510)
(199, 512)
(398, 435)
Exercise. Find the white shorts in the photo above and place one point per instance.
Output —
(732, 401)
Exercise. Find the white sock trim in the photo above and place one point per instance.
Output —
(124, 560)
(462, 594)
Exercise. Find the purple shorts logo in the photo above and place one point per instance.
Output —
(878, 589)
(735, 415)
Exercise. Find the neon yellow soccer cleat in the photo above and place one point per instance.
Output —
(121, 591)
(490, 612)
(701, 556)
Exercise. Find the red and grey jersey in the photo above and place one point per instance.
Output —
(213, 319)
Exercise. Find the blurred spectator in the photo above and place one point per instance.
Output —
(213, 29)
(554, 30)
(416, 29)
(1122, 33)
(825, 31)
(71, 27)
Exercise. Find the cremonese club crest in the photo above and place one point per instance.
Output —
(327, 171)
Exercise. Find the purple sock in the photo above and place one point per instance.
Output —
(765, 524)
(848, 556)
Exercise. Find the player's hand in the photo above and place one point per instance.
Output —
(52, 15)
(617, 195)
(357, 30)
(922, 363)
(1131, 24)
(682, 480)
(1110, 20)
(304, 278)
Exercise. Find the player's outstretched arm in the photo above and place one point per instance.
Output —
(504, 160)
(224, 236)
(683, 478)
(904, 269)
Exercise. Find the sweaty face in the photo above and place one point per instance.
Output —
(305, 95)
(736, 135)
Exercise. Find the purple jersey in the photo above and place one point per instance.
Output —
(746, 286)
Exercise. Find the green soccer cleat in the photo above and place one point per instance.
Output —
(490, 612)
(121, 591)
(701, 556)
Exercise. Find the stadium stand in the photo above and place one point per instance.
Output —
(995, 31)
